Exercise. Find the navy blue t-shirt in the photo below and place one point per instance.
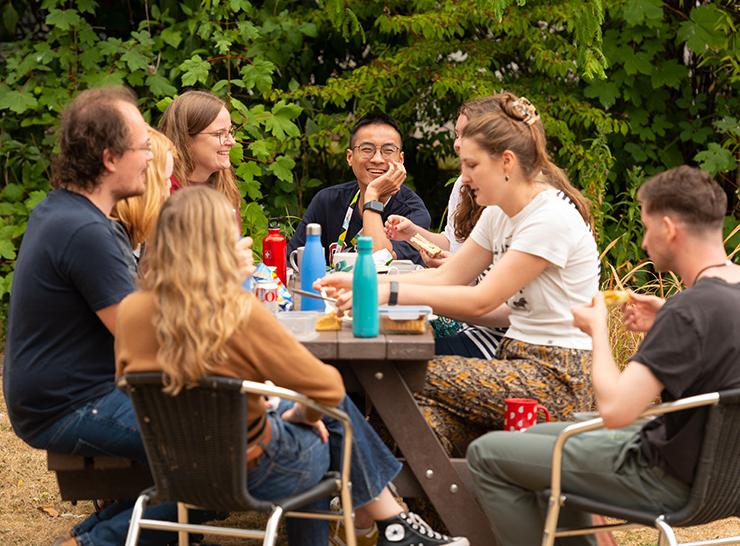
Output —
(329, 206)
(59, 355)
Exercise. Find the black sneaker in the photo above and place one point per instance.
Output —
(408, 529)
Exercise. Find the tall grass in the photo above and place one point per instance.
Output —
(642, 279)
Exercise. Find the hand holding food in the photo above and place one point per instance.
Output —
(420, 243)
(639, 315)
(399, 228)
(616, 297)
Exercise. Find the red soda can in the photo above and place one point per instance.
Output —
(273, 252)
(267, 293)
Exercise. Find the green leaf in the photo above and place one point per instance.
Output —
(86, 6)
(716, 159)
(16, 101)
(280, 124)
(171, 37)
(248, 31)
(7, 250)
(134, 60)
(669, 74)
(309, 29)
(261, 149)
(236, 154)
(638, 12)
(13, 192)
(164, 103)
(160, 86)
(637, 152)
(195, 70)
(701, 31)
(728, 125)
(63, 19)
(249, 185)
(258, 74)
(34, 198)
(10, 17)
(282, 167)
(607, 92)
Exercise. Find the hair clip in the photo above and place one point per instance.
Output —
(526, 110)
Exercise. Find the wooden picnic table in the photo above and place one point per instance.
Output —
(388, 369)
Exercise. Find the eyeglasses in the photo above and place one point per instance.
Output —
(223, 135)
(145, 148)
(368, 150)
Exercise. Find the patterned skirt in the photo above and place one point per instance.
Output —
(463, 398)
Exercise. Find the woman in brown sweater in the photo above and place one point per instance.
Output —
(191, 318)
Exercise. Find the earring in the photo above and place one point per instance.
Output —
(506, 177)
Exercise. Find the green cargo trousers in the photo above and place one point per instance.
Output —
(510, 467)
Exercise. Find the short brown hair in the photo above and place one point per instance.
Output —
(688, 192)
(91, 123)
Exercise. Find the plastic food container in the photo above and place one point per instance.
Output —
(302, 324)
(404, 319)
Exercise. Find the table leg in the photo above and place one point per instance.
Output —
(424, 454)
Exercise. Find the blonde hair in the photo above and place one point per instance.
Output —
(138, 214)
(184, 118)
(194, 276)
(520, 130)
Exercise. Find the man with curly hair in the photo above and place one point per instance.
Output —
(70, 276)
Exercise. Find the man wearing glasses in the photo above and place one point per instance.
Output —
(69, 278)
(360, 207)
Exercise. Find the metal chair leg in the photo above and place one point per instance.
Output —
(182, 517)
(134, 529)
(271, 529)
(667, 536)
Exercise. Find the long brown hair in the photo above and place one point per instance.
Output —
(139, 213)
(184, 118)
(194, 275)
(516, 126)
(467, 213)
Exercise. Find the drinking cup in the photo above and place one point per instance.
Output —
(521, 413)
(295, 258)
(343, 261)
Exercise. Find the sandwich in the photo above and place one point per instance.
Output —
(329, 322)
(616, 297)
(420, 243)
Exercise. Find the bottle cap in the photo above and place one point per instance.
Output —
(364, 243)
(273, 229)
(313, 229)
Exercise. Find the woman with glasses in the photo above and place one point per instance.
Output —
(192, 318)
(199, 124)
(543, 257)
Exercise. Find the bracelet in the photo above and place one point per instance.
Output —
(393, 296)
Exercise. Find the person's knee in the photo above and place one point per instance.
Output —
(481, 451)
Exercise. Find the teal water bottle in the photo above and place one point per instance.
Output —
(365, 291)
(313, 267)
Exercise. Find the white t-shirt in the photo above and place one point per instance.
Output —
(452, 204)
(549, 227)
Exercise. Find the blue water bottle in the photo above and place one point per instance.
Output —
(365, 291)
(313, 267)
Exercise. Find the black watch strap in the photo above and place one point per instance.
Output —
(375, 206)
(393, 295)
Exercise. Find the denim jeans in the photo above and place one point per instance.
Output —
(296, 459)
(107, 426)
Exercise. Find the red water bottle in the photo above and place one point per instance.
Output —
(273, 252)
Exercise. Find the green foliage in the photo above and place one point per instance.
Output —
(625, 89)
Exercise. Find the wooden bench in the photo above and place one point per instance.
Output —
(93, 478)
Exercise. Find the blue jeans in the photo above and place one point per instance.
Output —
(296, 459)
(107, 426)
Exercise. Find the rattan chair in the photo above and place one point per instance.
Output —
(715, 493)
(196, 445)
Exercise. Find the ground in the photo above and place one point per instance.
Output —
(32, 514)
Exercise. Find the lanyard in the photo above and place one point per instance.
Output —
(345, 224)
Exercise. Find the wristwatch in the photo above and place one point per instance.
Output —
(393, 295)
(375, 206)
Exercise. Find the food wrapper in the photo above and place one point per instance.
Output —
(265, 273)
